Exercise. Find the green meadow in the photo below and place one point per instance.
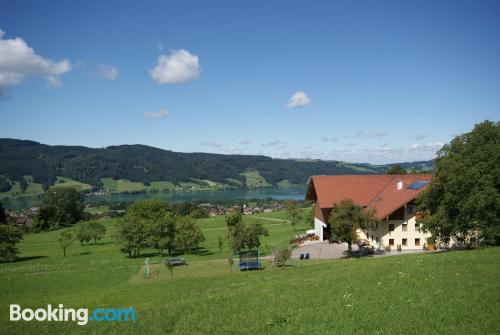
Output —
(68, 182)
(32, 190)
(450, 293)
(254, 179)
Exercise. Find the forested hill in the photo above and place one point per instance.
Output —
(140, 163)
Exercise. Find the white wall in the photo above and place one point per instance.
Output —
(398, 234)
(318, 227)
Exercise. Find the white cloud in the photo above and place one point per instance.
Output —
(178, 67)
(429, 146)
(362, 134)
(18, 60)
(329, 139)
(298, 100)
(212, 144)
(108, 72)
(156, 115)
(273, 143)
(245, 142)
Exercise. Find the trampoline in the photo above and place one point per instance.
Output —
(249, 260)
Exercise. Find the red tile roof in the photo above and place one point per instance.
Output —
(370, 191)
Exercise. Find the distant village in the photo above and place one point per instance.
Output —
(25, 218)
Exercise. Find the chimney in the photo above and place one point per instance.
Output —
(399, 185)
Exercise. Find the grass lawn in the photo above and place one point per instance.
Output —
(67, 182)
(254, 179)
(448, 293)
(122, 185)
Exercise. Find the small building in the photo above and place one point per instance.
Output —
(391, 196)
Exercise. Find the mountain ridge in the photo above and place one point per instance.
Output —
(142, 163)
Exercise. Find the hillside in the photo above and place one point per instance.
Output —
(446, 293)
(97, 167)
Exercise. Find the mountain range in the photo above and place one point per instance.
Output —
(44, 164)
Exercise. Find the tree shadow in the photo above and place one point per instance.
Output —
(28, 258)
(85, 253)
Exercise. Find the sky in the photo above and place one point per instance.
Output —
(357, 81)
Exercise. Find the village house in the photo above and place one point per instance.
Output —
(392, 197)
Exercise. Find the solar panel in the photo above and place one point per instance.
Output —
(417, 185)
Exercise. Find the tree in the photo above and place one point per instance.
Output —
(82, 233)
(3, 216)
(9, 237)
(346, 217)
(236, 231)
(131, 235)
(292, 211)
(253, 233)
(96, 231)
(188, 234)
(61, 207)
(65, 238)
(161, 233)
(240, 236)
(157, 229)
(396, 169)
(463, 197)
(5, 184)
(23, 185)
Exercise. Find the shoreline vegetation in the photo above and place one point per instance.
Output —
(124, 187)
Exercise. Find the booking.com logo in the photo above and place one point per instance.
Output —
(81, 315)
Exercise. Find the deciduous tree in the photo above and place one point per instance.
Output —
(65, 238)
(96, 231)
(396, 169)
(9, 237)
(463, 198)
(346, 217)
(82, 233)
(61, 207)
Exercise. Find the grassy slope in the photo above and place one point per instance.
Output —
(254, 179)
(67, 182)
(455, 292)
(32, 190)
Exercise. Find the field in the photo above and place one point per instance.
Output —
(449, 293)
(254, 179)
(67, 182)
(32, 190)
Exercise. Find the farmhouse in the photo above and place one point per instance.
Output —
(391, 196)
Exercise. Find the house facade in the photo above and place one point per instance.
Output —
(392, 197)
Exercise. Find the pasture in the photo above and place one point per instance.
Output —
(451, 292)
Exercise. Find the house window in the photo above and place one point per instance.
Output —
(409, 209)
(391, 241)
(404, 227)
(391, 226)
(417, 227)
(405, 242)
(417, 242)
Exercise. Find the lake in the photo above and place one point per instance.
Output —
(295, 193)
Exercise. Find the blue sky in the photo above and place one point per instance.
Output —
(372, 81)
